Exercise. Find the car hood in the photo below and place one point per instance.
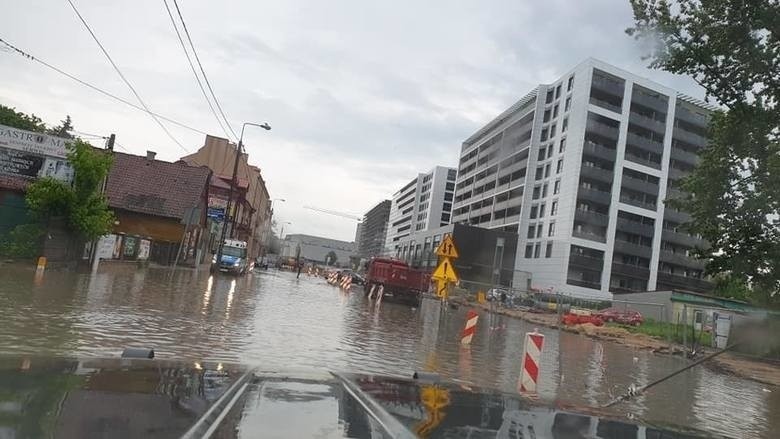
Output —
(71, 398)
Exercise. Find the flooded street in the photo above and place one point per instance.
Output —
(278, 322)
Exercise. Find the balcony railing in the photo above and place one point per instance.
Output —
(610, 87)
(592, 236)
(599, 151)
(668, 280)
(682, 239)
(681, 259)
(648, 122)
(645, 143)
(600, 174)
(635, 227)
(630, 248)
(593, 218)
(604, 104)
(689, 137)
(601, 129)
(587, 262)
(594, 195)
(634, 271)
(584, 283)
(638, 203)
(640, 185)
(676, 216)
(650, 102)
(685, 156)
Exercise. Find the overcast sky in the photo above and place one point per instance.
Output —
(361, 95)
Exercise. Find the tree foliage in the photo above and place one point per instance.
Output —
(12, 118)
(82, 204)
(732, 49)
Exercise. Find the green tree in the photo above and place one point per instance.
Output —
(63, 129)
(82, 204)
(12, 118)
(731, 48)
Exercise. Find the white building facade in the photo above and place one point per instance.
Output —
(580, 169)
(424, 203)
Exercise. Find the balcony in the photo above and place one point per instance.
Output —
(625, 225)
(596, 173)
(634, 271)
(640, 185)
(601, 129)
(670, 281)
(605, 104)
(631, 157)
(689, 137)
(638, 203)
(629, 248)
(587, 262)
(657, 104)
(685, 156)
(676, 216)
(594, 218)
(675, 194)
(600, 151)
(594, 195)
(584, 283)
(645, 143)
(681, 260)
(591, 236)
(609, 86)
(648, 122)
(682, 239)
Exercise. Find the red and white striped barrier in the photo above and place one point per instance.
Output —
(470, 328)
(346, 283)
(532, 354)
(379, 294)
(371, 292)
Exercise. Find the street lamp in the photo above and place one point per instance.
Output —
(281, 234)
(239, 148)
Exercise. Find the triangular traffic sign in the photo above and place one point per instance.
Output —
(445, 271)
(447, 248)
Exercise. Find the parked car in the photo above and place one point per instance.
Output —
(622, 316)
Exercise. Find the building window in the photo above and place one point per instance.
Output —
(554, 208)
(541, 155)
(448, 196)
(531, 231)
(565, 125)
(546, 170)
(549, 97)
(567, 105)
(549, 150)
(557, 187)
(552, 130)
(558, 91)
(562, 146)
(548, 250)
(537, 249)
(537, 191)
(546, 117)
(529, 251)
(559, 167)
(534, 212)
(544, 190)
(544, 135)
(539, 172)
(541, 210)
(539, 229)
(570, 83)
(551, 229)
(555, 111)
(449, 187)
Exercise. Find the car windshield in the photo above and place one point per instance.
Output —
(390, 187)
(234, 251)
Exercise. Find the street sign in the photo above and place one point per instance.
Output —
(441, 288)
(447, 248)
(445, 271)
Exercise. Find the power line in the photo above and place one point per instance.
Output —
(119, 72)
(192, 67)
(97, 89)
(203, 72)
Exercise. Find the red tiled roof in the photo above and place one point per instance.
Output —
(155, 187)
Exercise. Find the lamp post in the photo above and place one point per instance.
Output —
(228, 207)
(281, 236)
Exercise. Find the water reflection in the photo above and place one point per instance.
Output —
(277, 321)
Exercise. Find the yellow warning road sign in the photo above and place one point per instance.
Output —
(445, 271)
(441, 288)
(447, 248)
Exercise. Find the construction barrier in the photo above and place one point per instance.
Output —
(532, 353)
(346, 283)
(470, 328)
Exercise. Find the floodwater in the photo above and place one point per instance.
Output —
(278, 322)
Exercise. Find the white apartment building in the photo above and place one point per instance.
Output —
(424, 203)
(580, 169)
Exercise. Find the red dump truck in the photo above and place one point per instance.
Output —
(401, 282)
